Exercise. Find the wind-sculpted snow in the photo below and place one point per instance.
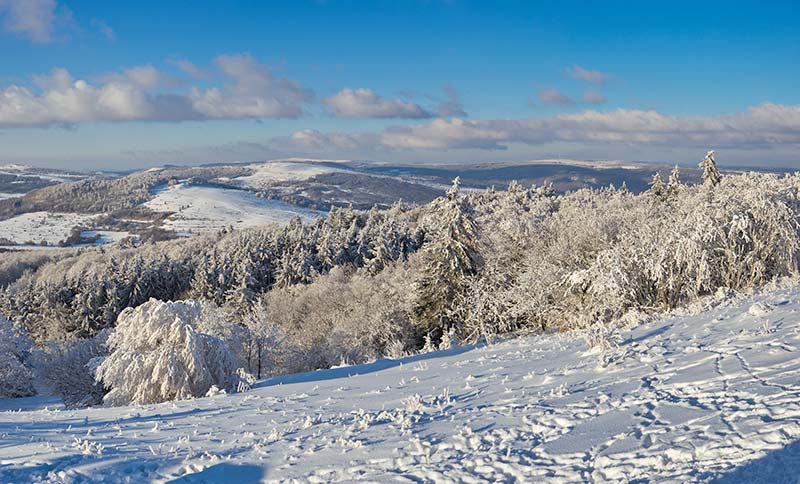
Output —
(711, 397)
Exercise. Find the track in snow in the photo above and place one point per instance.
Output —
(713, 397)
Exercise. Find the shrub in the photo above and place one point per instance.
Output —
(157, 355)
(16, 378)
(68, 369)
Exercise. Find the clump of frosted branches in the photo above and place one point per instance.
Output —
(157, 355)
(16, 378)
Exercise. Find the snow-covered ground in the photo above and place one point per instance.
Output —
(106, 236)
(52, 228)
(28, 171)
(712, 397)
(279, 171)
(205, 208)
(41, 226)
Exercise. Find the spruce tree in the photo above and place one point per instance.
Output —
(450, 257)
(674, 185)
(657, 189)
(711, 175)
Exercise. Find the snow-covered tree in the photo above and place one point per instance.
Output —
(157, 355)
(674, 185)
(16, 378)
(711, 175)
(450, 257)
(68, 369)
(658, 190)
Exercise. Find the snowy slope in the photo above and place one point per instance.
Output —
(683, 399)
(205, 208)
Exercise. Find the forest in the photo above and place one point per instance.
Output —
(181, 318)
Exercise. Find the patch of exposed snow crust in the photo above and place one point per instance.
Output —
(684, 398)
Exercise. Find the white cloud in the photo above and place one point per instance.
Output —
(146, 77)
(64, 100)
(452, 106)
(104, 29)
(249, 91)
(593, 96)
(253, 92)
(764, 125)
(314, 139)
(190, 69)
(34, 19)
(365, 103)
(553, 96)
(577, 72)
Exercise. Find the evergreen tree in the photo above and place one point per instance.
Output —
(711, 175)
(674, 185)
(449, 258)
(658, 190)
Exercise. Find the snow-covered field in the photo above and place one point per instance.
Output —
(712, 397)
(52, 228)
(106, 236)
(41, 226)
(278, 171)
(204, 208)
(27, 171)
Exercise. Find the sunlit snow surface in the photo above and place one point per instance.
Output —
(713, 397)
(204, 208)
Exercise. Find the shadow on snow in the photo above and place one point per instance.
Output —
(347, 371)
(781, 466)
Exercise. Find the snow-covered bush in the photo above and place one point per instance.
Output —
(68, 369)
(589, 257)
(16, 378)
(343, 316)
(157, 355)
(254, 340)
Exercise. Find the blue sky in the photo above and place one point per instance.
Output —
(94, 84)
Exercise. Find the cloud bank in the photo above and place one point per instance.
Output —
(248, 90)
(765, 125)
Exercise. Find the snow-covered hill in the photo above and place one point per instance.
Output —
(711, 397)
(267, 173)
(201, 209)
